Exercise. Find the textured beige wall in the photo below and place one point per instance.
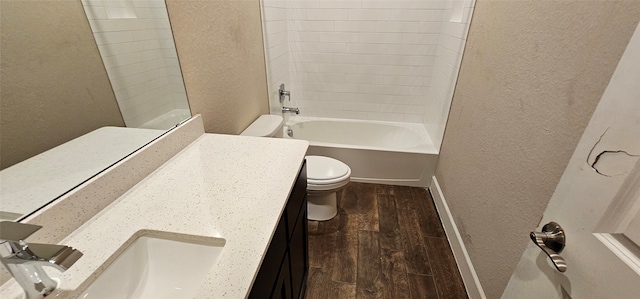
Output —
(221, 54)
(53, 86)
(532, 75)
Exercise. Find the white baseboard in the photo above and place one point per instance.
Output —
(468, 273)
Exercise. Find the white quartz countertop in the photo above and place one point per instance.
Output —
(221, 186)
(32, 183)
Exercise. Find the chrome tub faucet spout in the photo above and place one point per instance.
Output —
(291, 109)
(25, 260)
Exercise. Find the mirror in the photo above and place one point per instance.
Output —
(83, 84)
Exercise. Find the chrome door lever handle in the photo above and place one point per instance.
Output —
(551, 240)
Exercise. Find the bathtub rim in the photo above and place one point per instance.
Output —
(427, 148)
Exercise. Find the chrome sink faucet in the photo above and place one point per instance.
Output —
(25, 260)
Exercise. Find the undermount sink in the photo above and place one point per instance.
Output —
(153, 267)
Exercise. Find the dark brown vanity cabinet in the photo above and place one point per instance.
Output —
(284, 269)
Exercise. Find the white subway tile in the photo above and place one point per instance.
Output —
(145, 34)
(150, 12)
(385, 116)
(364, 79)
(414, 15)
(392, 45)
(113, 37)
(366, 107)
(277, 26)
(450, 57)
(310, 86)
(338, 68)
(355, 26)
(315, 47)
(311, 25)
(467, 15)
(175, 74)
(296, 14)
(146, 86)
(169, 52)
(135, 68)
(301, 4)
(405, 109)
(408, 100)
(110, 62)
(452, 43)
(305, 67)
(470, 3)
(171, 62)
(353, 58)
(274, 13)
(148, 3)
(277, 51)
(158, 23)
(391, 49)
(312, 57)
(392, 70)
(346, 87)
(328, 37)
(348, 115)
(455, 29)
(418, 81)
(163, 33)
(368, 14)
(399, 38)
(327, 14)
(95, 12)
(275, 3)
(165, 43)
(414, 118)
(328, 105)
(304, 95)
(339, 4)
(432, 27)
(373, 98)
(399, 27)
(320, 77)
(417, 4)
(141, 77)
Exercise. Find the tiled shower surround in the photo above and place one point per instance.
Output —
(136, 45)
(367, 59)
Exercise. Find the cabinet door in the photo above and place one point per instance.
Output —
(299, 253)
(271, 264)
(282, 289)
(297, 197)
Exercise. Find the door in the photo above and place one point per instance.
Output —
(597, 202)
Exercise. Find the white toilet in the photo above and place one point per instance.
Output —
(325, 176)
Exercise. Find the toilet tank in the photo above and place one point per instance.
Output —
(265, 126)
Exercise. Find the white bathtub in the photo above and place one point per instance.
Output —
(377, 152)
(168, 120)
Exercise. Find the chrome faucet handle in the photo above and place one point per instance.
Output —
(15, 231)
(283, 93)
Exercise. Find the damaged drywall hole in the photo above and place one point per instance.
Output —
(611, 162)
(614, 163)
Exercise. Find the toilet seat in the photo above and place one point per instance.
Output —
(324, 173)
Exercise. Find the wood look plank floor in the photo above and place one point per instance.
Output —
(385, 242)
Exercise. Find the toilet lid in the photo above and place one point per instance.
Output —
(324, 168)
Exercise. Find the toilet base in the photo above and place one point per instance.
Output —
(321, 207)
